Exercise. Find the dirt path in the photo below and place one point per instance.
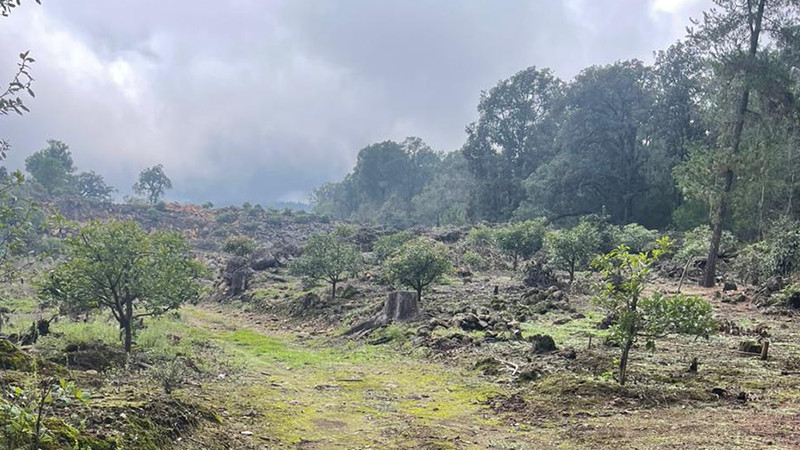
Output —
(309, 394)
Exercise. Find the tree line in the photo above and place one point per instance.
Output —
(706, 134)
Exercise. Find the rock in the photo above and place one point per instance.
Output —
(729, 286)
(562, 321)
(423, 331)
(719, 392)
(557, 295)
(606, 322)
(542, 343)
(12, 358)
(568, 353)
(536, 275)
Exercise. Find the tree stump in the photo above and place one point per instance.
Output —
(401, 306)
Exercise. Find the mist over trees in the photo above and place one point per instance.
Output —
(705, 135)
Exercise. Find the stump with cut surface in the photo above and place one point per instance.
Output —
(400, 306)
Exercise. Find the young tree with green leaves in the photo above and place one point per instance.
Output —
(93, 186)
(418, 263)
(572, 249)
(520, 240)
(649, 317)
(327, 257)
(239, 246)
(152, 183)
(119, 266)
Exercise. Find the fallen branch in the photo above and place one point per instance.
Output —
(512, 365)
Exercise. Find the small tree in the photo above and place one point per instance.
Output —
(418, 263)
(152, 183)
(520, 240)
(118, 266)
(652, 317)
(327, 257)
(92, 186)
(239, 246)
(572, 249)
(52, 167)
(386, 246)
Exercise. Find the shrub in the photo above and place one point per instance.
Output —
(418, 264)
(227, 217)
(520, 240)
(651, 317)
(634, 236)
(754, 263)
(697, 243)
(475, 261)
(386, 246)
(572, 249)
(239, 246)
(480, 237)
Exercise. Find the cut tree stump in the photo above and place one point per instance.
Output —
(400, 306)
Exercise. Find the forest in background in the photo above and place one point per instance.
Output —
(643, 143)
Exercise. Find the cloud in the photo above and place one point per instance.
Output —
(263, 100)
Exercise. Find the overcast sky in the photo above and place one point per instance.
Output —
(262, 100)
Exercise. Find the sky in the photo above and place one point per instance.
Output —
(262, 100)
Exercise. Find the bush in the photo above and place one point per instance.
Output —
(572, 249)
(475, 261)
(754, 263)
(636, 237)
(239, 246)
(227, 217)
(697, 243)
(480, 237)
(386, 246)
(777, 254)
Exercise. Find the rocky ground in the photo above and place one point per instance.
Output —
(490, 362)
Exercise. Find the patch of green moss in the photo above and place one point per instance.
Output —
(12, 358)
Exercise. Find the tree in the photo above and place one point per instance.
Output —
(418, 263)
(572, 249)
(651, 317)
(152, 183)
(387, 246)
(327, 257)
(92, 186)
(239, 246)
(518, 121)
(120, 267)
(53, 168)
(520, 240)
(730, 37)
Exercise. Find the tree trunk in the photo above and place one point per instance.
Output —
(571, 272)
(623, 362)
(333, 290)
(722, 206)
(127, 324)
(516, 260)
(419, 294)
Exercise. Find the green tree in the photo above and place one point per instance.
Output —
(92, 186)
(418, 263)
(649, 317)
(239, 246)
(731, 37)
(572, 249)
(327, 257)
(520, 240)
(53, 168)
(152, 183)
(386, 246)
(517, 124)
(120, 267)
